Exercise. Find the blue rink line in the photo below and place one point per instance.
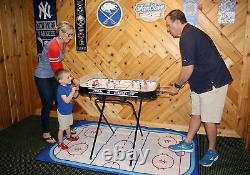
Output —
(47, 155)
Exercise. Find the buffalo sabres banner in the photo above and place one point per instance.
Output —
(190, 8)
(109, 13)
(45, 22)
(80, 25)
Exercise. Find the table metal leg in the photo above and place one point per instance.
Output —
(99, 122)
(101, 110)
(118, 101)
(137, 124)
(98, 107)
(136, 116)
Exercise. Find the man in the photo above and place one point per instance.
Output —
(208, 77)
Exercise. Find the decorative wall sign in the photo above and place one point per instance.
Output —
(227, 11)
(80, 25)
(109, 14)
(150, 10)
(190, 8)
(45, 22)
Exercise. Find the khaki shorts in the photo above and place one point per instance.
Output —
(64, 121)
(209, 105)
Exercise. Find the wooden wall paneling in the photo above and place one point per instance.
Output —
(130, 65)
(234, 88)
(27, 73)
(88, 105)
(220, 39)
(4, 103)
(9, 58)
(17, 60)
(169, 114)
(237, 37)
(230, 111)
(22, 97)
(206, 6)
(149, 38)
(244, 100)
(30, 51)
(247, 138)
(240, 15)
(128, 48)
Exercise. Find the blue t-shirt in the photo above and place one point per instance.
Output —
(62, 107)
(198, 49)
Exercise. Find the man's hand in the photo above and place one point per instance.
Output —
(171, 90)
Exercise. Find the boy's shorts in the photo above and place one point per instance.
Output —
(64, 121)
(209, 105)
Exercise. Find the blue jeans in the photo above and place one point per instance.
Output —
(47, 88)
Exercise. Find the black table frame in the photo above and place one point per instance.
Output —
(123, 100)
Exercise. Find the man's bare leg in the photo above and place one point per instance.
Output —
(194, 126)
(211, 131)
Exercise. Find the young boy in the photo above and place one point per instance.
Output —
(65, 96)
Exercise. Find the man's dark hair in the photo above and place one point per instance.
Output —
(177, 15)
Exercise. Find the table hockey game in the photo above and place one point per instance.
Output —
(88, 152)
(121, 88)
(103, 88)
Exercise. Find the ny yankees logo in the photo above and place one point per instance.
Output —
(45, 10)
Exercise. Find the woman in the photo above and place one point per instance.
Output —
(49, 63)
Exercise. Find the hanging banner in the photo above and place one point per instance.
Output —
(150, 10)
(45, 22)
(227, 11)
(80, 25)
(190, 9)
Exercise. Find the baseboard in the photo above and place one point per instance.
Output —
(116, 120)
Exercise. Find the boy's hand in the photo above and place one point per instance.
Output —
(73, 89)
(75, 82)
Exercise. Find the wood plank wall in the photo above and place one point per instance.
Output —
(244, 101)
(134, 50)
(139, 50)
(17, 58)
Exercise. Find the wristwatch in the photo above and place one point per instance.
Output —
(177, 86)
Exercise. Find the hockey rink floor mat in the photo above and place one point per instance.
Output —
(113, 151)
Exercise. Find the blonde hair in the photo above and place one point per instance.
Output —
(60, 73)
(63, 26)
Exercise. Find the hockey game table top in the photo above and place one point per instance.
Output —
(146, 89)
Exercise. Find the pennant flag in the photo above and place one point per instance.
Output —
(227, 11)
(80, 25)
(45, 22)
(190, 9)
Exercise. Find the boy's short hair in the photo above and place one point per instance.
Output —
(60, 73)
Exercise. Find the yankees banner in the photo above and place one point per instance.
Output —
(80, 25)
(45, 22)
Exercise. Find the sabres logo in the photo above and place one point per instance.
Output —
(109, 14)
